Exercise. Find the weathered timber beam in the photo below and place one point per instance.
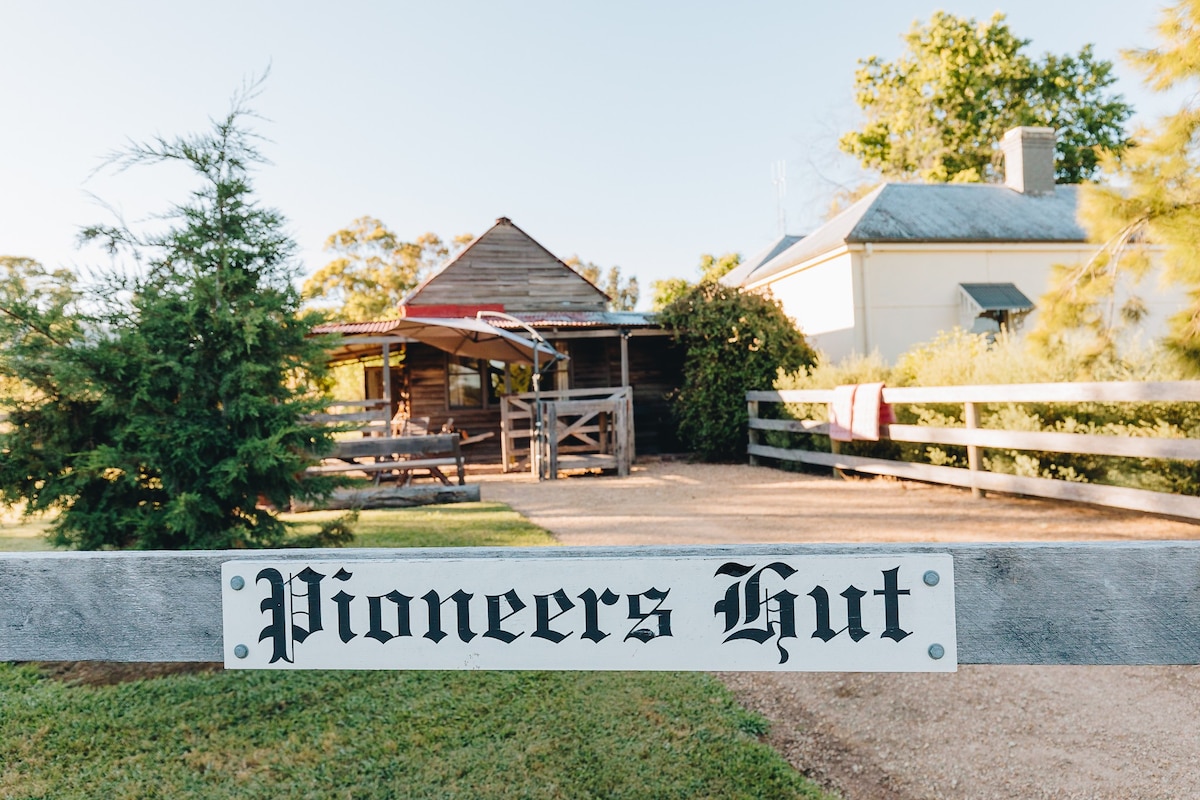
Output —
(1091, 603)
(395, 497)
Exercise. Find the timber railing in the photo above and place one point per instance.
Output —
(975, 439)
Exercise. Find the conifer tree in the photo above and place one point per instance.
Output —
(165, 403)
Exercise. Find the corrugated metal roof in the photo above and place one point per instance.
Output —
(377, 326)
(736, 275)
(955, 212)
(997, 296)
(581, 319)
(939, 213)
(549, 319)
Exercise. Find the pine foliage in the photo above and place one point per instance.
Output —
(166, 403)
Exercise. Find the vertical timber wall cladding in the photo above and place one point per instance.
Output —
(655, 369)
(431, 398)
(595, 363)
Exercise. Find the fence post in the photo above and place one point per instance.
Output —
(505, 427)
(752, 414)
(971, 416)
(835, 447)
(550, 436)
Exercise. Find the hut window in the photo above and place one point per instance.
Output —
(474, 383)
(466, 382)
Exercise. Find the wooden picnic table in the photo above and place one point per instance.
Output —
(399, 455)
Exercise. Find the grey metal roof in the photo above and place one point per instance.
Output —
(997, 296)
(948, 212)
(736, 275)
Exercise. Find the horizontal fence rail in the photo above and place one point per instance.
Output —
(1093, 603)
(975, 438)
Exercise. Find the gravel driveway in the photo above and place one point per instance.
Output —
(985, 732)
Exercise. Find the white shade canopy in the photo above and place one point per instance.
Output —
(463, 336)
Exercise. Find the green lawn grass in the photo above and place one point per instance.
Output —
(388, 734)
(456, 525)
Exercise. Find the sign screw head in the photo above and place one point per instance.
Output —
(241, 651)
(931, 578)
(237, 582)
(936, 651)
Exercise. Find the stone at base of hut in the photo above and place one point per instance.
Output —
(393, 497)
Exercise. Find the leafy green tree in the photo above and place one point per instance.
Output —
(733, 342)
(939, 111)
(623, 294)
(712, 268)
(668, 290)
(373, 269)
(1150, 202)
(164, 403)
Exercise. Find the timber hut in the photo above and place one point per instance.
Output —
(508, 279)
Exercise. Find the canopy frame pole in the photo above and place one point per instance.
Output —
(387, 386)
(539, 443)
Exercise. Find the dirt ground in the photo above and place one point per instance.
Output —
(984, 733)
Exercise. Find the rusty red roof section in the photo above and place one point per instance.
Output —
(439, 311)
(377, 326)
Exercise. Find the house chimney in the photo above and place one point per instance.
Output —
(1029, 160)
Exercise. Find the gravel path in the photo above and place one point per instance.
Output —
(986, 732)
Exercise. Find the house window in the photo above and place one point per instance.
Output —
(474, 383)
(466, 382)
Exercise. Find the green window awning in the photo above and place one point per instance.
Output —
(991, 297)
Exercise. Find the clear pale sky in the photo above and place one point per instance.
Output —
(640, 134)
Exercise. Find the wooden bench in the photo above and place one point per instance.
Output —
(397, 455)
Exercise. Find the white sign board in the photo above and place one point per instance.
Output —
(806, 613)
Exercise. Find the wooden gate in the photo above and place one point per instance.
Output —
(585, 429)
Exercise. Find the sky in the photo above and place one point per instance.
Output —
(637, 134)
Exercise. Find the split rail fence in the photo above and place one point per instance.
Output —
(975, 439)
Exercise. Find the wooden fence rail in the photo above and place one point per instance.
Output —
(975, 438)
(1093, 603)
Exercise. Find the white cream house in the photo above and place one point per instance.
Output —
(911, 260)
